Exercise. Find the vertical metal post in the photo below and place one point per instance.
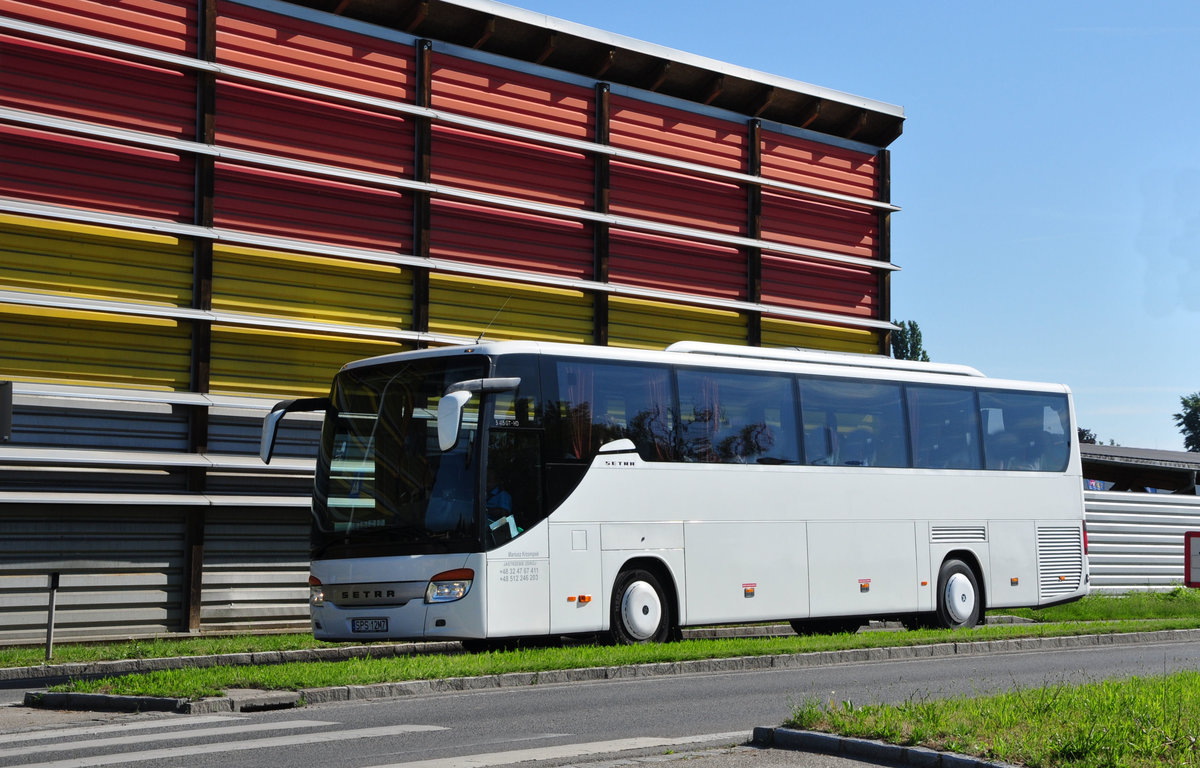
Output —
(50, 615)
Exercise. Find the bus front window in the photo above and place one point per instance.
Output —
(383, 485)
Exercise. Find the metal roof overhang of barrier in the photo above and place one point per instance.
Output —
(1140, 468)
(540, 39)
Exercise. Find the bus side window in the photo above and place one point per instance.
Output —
(944, 423)
(1025, 430)
(737, 418)
(854, 423)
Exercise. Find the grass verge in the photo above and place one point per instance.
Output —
(1179, 603)
(1139, 722)
(197, 683)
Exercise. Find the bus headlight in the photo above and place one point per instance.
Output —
(448, 586)
(316, 592)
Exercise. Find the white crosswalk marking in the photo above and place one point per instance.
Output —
(95, 730)
(564, 751)
(142, 738)
(274, 742)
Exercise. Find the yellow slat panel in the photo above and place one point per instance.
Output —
(93, 349)
(789, 333)
(68, 259)
(278, 284)
(257, 362)
(469, 307)
(652, 324)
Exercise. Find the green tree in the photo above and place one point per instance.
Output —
(906, 342)
(1087, 436)
(1188, 421)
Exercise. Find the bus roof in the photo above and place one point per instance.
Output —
(710, 353)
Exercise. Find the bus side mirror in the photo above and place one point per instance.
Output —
(449, 418)
(266, 445)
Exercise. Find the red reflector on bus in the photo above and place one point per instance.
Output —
(458, 574)
(313, 581)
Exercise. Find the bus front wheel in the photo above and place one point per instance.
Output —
(958, 596)
(640, 610)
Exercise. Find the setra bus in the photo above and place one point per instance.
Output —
(512, 489)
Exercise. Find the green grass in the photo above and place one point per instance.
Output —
(196, 683)
(1138, 722)
(1178, 603)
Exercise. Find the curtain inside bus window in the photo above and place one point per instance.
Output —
(854, 423)
(1025, 430)
(944, 423)
(737, 418)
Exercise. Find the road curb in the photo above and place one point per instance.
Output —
(866, 749)
(243, 700)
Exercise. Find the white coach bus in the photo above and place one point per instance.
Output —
(516, 489)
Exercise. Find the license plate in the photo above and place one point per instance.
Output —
(368, 625)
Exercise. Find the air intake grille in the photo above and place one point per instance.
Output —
(945, 533)
(1060, 561)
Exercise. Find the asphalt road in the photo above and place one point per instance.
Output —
(601, 723)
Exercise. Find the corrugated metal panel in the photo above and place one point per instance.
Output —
(676, 133)
(99, 175)
(165, 25)
(60, 422)
(309, 208)
(84, 85)
(471, 307)
(477, 234)
(826, 226)
(812, 164)
(276, 363)
(121, 571)
(669, 263)
(304, 50)
(1135, 540)
(791, 281)
(255, 569)
(80, 348)
(294, 125)
(676, 198)
(655, 325)
(511, 97)
(276, 284)
(38, 255)
(512, 168)
(789, 333)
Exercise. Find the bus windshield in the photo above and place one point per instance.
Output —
(383, 486)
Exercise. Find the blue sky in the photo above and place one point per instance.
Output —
(1049, 175)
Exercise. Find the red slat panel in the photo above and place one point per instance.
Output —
(849, 230)
(512, 168)
(666, 263)
(292, 125)
(164, 25)
(82, 85)
(797, 161)
(791, 282)
(675, 133)
(675, 198)
(510, 97)
(86, 173)
(481, 235)
(311, 208)
(314, 53)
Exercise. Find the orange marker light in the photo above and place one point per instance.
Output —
(585, 599)
(570, 598)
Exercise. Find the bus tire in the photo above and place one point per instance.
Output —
(958, 596)
(640, 610)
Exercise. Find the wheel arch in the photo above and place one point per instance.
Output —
(666, 579)
(972, 561)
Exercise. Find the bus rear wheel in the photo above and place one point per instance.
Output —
(640, 611)
(958, 596)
